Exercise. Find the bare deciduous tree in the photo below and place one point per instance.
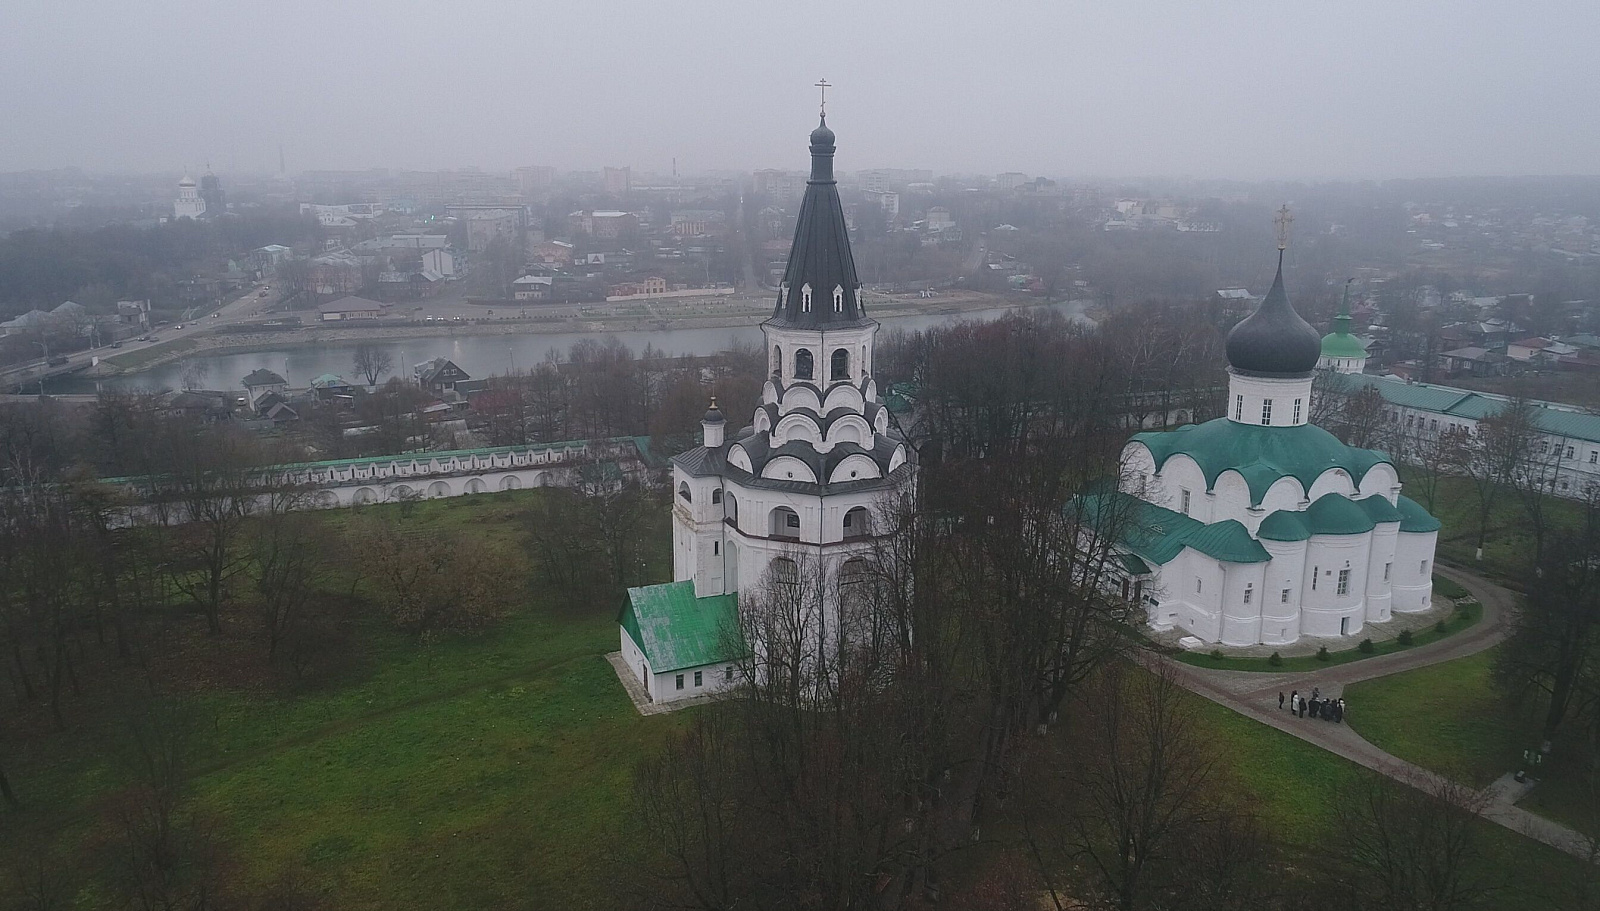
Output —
(372, 362)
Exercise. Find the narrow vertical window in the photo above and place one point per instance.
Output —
(1344, 582)
(1186, 501)
(680, 681)
(1266, 412)
(1284, 598)
(697, 679)
(1238, 408)
(1249, 591)
(1314, 573)
(1297, 411)
(1198, 585)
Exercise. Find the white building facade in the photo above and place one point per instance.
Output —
(1260, 528)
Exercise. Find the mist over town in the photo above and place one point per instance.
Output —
(723, 456)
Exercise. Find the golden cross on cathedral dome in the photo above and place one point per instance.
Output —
(1283, 220)
(824, 86)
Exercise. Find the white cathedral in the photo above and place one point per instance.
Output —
(1260, 528)
(189, 204)
(802, 481)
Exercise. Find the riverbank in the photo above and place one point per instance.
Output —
(236, 341)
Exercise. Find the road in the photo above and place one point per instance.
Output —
(247, 307)
(1254, 694)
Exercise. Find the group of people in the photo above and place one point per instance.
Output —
(1317, 707)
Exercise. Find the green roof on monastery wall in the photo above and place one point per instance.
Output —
(1261, 455)
(676, 630)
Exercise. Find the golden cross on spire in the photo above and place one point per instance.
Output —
(1283, 220)
(824, 86)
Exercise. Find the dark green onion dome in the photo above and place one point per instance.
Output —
(1283, 525)
(1414, 518)
(1274, 341)
(820, 257)
(1336, 514)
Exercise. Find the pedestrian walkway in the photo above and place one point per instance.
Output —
(641, 700)
(1255, 695)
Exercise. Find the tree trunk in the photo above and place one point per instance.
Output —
(6, 792)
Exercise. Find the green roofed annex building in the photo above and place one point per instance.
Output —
(677, 644)
(1260, 528)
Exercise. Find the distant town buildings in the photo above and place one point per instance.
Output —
(617, 181)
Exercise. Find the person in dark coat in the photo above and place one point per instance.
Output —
(1315, 706)
(1280, 700)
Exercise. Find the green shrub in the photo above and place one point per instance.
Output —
(1322, 653)
(1216, 654)
(1275, 659)
(1365, 647)
(1405, 637)
(1448, 588)
(1440, 627)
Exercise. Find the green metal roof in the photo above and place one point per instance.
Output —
(1414, 518)
(1261, 455)
(1462, 403)
(1283, 525)
(1158, 534)
(1336, 514)
(676, 630)
(1132, 565)
(1379, 509)
(1343, 344)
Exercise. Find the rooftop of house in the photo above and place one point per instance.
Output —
(676, 630)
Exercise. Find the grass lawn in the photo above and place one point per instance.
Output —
(1464, 617)
(1449, 718)
(1446, 717)
(1295, 786)
(487, 771)
(1508, 547)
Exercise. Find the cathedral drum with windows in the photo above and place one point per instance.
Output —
(798, 487)
(1259, 527)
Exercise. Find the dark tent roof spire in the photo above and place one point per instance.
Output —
(820, 287)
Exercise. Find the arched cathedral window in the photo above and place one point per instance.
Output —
(802, 364)
(840, 369)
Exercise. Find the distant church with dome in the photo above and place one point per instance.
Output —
(798, 489)
(1258, 527)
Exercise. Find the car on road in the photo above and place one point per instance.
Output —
(116, 344)
(57, 361)
(263, 293)
(215, 315)
(179, 326)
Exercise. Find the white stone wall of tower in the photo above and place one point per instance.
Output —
(1380, 590)
(1248, 394)
(1412, 584)
(1280, 619)
(784, 344)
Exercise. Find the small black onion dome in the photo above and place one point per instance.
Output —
(822, 136)
(1274, 341)
(713, 414)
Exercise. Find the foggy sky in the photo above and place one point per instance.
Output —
(1071, 88)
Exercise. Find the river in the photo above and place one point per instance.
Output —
(478, 355)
